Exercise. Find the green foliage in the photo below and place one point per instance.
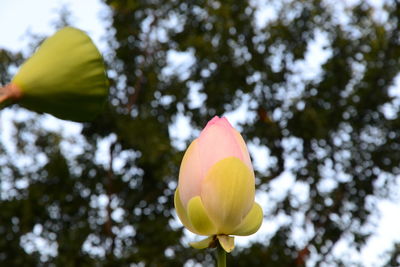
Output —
(340, 127)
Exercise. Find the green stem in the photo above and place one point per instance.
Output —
(221, 256)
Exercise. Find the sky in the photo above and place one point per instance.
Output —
(19, 17)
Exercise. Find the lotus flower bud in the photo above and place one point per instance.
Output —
(215, 194)
(65, 77)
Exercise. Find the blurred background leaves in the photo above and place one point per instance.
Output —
(317, 82)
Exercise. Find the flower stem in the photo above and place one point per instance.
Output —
(3, 94)
(221, 256)
(8, 93)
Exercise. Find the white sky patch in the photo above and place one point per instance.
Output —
(17, 15)
(379, 14)
(196, 97)
(301, 191)
(241, 114)
(52, 124)
(72, 141)
(394, 91)
(178, 63)
(260, 157)
(21, 160)
(316, 55)
(390, 110)
(386, 234)
(6, 128)
(102, 156)
(37, 17)
(265, 13)
(34, 241)
(281, 185)
(92, 247)
(180, 131)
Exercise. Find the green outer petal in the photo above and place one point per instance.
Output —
(198, 217)
(180, 210)
(251, 223)
(205, 243)
(227, 242)
(228, 193)
(66, 77)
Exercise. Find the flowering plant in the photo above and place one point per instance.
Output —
(215, 194)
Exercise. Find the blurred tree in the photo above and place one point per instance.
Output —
(333, 128)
